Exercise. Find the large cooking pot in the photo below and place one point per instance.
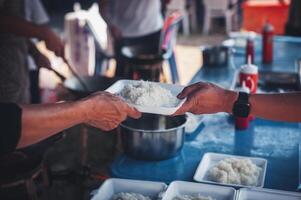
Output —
(216, 55)
(153, 137)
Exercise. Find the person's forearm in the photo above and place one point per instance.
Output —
(20, 27)
(278, 107)
(42, 121)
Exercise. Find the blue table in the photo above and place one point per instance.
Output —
(275, 141)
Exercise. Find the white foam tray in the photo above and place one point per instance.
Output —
(266, 194)
(114, 185)
(188, 188)
(211, 159)
(174, 89)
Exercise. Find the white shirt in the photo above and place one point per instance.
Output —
(35, 12)
(135, 18)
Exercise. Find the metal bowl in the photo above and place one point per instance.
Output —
(153, 137)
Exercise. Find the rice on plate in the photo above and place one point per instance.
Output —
(235, 171)
(148, 94)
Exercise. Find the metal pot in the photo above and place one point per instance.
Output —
(215, 55)
(153, 137)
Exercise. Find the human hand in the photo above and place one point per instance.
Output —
(206, 98)
(53, 42)
(106, 111)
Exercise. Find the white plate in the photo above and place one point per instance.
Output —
(187, 188)
(114, 186)
(174, 89)
(211, 159)
(266, 194)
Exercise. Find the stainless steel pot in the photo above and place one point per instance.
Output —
(153, 137)
(215, 55)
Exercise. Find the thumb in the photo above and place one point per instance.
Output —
(187, 90)
(133, 113)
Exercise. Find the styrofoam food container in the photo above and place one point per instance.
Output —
(174, 89)
(113, 186)
(266, 194)
(211, 159)
(188, 188)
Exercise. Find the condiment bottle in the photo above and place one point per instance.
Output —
(267, 43)
(249, 75)
(250, 50)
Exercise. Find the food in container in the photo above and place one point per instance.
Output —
(189, 189)
(211, 160)
(192, 197)
(129, 196)
(115, 187)
(266, 194)
(235, 171)
(145, 93)
(149, 97)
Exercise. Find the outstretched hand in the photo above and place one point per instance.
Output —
(106, 111)
(206, 98)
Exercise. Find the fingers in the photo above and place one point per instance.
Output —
(184, 108)
(189, 89)
(133, 113)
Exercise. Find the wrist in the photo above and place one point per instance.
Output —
(82, 108)
(229, 99)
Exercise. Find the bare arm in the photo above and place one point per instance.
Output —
(42, 121)
(279, 107)
(21, 27)
(206, 98)
(101, 110)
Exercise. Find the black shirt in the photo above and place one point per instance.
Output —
(10, 127)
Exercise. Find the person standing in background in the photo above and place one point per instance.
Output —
(14, 49)
(132, 22)
(36, 13)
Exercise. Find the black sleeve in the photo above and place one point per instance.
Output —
(10, 127)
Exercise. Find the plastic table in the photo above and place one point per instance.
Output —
(278, 142)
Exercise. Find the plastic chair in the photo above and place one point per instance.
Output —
(188, 12)
(151, 55)
(218, 8)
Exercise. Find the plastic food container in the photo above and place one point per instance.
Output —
(211, 159)
(114, 186)
(174, 89)
(187, 188)
(266, 194)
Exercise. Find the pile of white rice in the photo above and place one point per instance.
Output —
(129, 196)
(189, 197)
(235, 171)
(148, 94)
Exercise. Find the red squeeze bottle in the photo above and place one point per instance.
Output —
(267, 43)
(250, 50)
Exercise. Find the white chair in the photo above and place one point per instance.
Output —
(218, 8)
